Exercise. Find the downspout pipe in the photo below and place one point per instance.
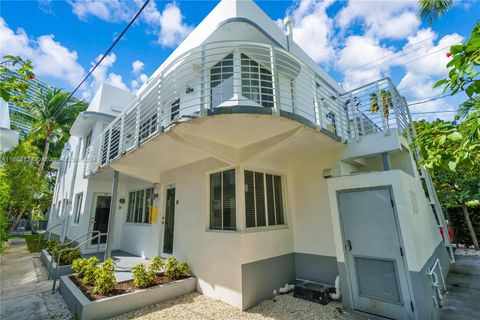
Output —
(337, 295)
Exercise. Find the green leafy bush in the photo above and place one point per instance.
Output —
(50, 244)
(89, 271)
(175, 269)
(69, 256)
(104, 277)
(156, 264)
(141, 277)
(78, 265)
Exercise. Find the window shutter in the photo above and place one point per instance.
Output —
(216, 201)
(260, 199)
(270, 200)
(249, 200)
(279, 200)
(229, 204)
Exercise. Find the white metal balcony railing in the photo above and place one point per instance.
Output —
(254, 78)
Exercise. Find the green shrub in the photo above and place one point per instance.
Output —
(70, 255)
(141, 277)
(104, 277)
(156, 264)
(175, 269)
(78, 266)
(89, 271)
(50, 244)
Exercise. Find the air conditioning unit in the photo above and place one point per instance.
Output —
(313, 291)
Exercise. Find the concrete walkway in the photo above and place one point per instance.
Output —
(22, 284)
(463, 285)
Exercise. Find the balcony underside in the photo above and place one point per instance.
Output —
(232, 138)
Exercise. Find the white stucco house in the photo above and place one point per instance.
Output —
(242, 157)
(8, 137)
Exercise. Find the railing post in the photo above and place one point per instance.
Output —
(120, 138)
(275, 85)
(237, 74)
(203, 82)
(137, 125)
(316, 105)
(109, 143)
(159, 104)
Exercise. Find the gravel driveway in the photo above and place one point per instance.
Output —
(197, 306)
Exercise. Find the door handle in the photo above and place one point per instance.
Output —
(348, 245)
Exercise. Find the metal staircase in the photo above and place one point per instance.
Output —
(431, 193)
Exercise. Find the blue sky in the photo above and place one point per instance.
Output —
(355, 41)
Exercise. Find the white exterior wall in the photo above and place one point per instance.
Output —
(419, 232)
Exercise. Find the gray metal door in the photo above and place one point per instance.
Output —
(373, 253)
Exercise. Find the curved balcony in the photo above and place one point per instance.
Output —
(235, 77)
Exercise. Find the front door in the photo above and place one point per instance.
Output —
(373, 253)
(169, 221)
(102, 212)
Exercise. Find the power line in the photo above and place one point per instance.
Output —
(440, 111)
(425, 101)
(391, 54)
(103, 56)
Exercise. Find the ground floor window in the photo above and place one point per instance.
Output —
(263, 199)
(140, 203)
(223, 200)
(78, 208)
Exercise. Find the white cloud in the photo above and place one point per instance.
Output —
(313, 29)
(111, 10)
(381, 19)
(48, 56)
(137, 66)
(140, 78)
(168, 26)
(358, 60)
(102, 74)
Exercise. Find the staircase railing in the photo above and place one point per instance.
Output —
(431, 193)
(97, 236)
(69, 242)
(46, 231)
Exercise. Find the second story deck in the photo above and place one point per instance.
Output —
(246, 78)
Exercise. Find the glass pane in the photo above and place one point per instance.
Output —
(270, 200)
(131, 203)
(229, 206)
(216, 201)
(260, 199)
(148, 205)
(279, 200)
(249, 200)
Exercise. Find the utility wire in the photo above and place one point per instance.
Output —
(425, 101)
(390, 54)
(103, 56)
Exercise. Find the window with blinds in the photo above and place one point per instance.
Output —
(222, 200)
(139, 204)
(263, 200)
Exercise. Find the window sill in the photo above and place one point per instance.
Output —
(267, 228)
(139, 224)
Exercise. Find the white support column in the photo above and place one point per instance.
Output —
(275, 83)
(111, 217)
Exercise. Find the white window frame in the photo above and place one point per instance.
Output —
(284, 201)
(88, 138)
(77, 208)
(142, 216)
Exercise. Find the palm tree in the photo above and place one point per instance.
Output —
(431, 10)
(53, 117)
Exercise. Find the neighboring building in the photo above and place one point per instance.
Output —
(242, 157)
(8, 137)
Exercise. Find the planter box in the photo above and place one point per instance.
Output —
(84, 309)
(46, 258)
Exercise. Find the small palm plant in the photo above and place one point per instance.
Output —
(386, 97)
(374, 107)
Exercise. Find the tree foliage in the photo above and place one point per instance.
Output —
(431, 10)
(15, 74)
